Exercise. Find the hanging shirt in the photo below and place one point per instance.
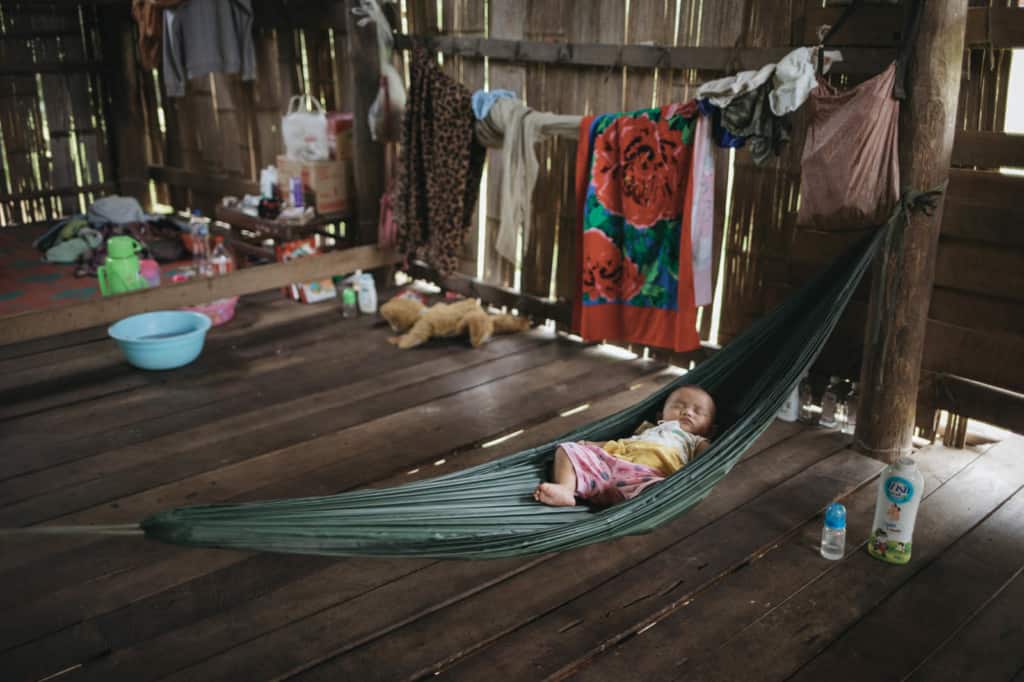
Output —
(634, 265)
(207, 36)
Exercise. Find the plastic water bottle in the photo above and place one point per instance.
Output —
(808, 413)
(828, 403)
(851, 409)
(200, 234)
(221, 262)
(790, 410)
(833, 535)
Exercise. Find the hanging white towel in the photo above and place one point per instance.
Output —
(702, 210)
(522, 128)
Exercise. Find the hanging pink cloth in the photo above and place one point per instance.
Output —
(850, 175)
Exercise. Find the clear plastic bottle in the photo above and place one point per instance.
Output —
(833, 535)
(828, 403)
(808, 413)
(200, 234)
(221, 262)
(851, 409)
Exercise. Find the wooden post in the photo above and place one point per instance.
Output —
(890, 380)
(368, 156)
(123, 106)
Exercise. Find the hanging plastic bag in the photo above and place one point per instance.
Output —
(304, 128)
(850, 175)
(385, 115)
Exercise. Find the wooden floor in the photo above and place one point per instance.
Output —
(290, 400)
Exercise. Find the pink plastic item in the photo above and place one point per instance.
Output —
(150, 271)
(219, 311)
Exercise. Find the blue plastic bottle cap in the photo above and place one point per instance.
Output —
(835, 516)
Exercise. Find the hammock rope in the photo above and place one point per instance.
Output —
(488, 511)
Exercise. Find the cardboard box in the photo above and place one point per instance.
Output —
(327, 182)
(339, 134)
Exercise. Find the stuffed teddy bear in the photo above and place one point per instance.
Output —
(420, 323)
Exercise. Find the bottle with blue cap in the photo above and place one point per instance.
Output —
(833, 535)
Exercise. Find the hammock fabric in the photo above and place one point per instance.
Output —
(488, 511)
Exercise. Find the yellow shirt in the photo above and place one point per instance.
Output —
(666, 447)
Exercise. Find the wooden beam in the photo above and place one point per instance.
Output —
(894, 341)
(30, 69)
(59, 192)
(975, 400)
(532, 306)
(368, 156)
(217, 184)
(988, 150)
(856, 60)
(36, 324)
(881, 25)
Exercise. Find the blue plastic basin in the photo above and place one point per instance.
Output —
(161, 340)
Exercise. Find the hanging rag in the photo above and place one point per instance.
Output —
(850, 172)
(439, 173)
(795, 77)
(750, 116)
(149, 15)
(519, 129)
(700, 207)
(722, 137)
(483, 100)
(207, 36)
(723, 91)
(632, 183)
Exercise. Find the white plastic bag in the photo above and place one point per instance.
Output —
(305, 132)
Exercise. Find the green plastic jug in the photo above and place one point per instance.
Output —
(120, 272)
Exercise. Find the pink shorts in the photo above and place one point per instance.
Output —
(604, 480)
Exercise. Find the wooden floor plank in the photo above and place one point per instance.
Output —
(973, 570)
(195, 621)
(740, 598)
(778, 644)
(223, 439)
(66, 406)
(586, 564)
(262, 418)
(327, 464)
(989, 647)
(222, 456)
(560, 618)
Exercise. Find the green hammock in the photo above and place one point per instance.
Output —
(488, 511)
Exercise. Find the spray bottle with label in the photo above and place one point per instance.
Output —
(901, 487)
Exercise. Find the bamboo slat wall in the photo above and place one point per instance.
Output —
(53, 153)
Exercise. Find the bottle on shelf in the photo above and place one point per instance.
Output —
(851, 409)
(200, 237)
(828, 403)
(221, 262)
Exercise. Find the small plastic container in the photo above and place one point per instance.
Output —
(833, 535)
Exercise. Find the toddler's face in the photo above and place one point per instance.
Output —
(693, 408)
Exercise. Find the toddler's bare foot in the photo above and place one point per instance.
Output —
(554, 495)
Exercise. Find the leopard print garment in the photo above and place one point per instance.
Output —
(439, 173)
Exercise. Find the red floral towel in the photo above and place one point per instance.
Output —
(635, 269)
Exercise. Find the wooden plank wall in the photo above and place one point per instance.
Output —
(977, 302)
(53, 153)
